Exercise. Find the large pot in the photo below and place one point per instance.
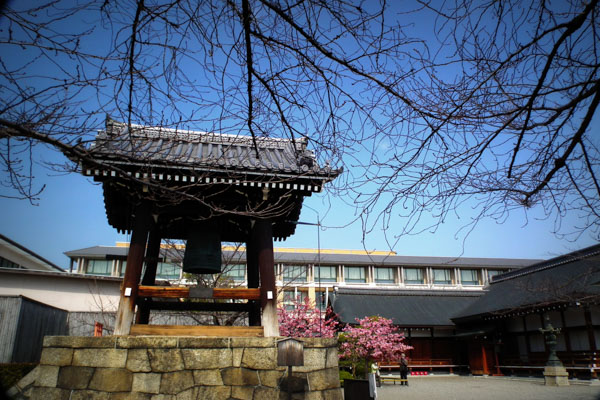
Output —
(356, 389)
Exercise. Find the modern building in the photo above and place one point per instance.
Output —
(316, 274)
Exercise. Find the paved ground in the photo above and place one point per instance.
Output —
(484, 388)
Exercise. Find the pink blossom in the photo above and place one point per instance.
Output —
(306, 321)
(374, 339)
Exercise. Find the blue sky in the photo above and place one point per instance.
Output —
(70, 215)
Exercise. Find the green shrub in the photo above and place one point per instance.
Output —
(344, 375)
(12, 373)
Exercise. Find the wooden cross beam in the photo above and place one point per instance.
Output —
(198, 293)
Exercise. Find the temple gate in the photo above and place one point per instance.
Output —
(205, 188)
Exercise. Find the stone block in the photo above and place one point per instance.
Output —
(237, 354)
(214, 393)
(204, 343)
(27, 381)
(325, 379)
(556, 376)
(332, 358)
(75, 377)
(163, 397)
(208, 377)
(56, 356)
(242, 392)
(319, 342)
(332, 394)
(138, 361)
(146, 342)
(207, 358)
(46, 393)
(314, 395)
(314, 359)
(168, 360)
(47, 376)
(130, 396)
(79, 342)
(176, 382)
(111, 380)
(90, 395)
(265, 393)
(259, 342)
(260, 358)
(239, 377)
(103, 358)
(270, 378)
(297, 384)
(189, 394)
(146, 383)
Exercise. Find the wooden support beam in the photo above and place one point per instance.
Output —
(253, 280)
(197, 306)
(133, 272)
(170, 292)
(152, 254)
(262, 237)
(192, 330)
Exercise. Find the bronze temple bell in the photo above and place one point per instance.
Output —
(202, 251)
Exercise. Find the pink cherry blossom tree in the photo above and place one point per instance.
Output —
(306, 321)
(374, 339)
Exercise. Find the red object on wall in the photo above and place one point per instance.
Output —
(98, 329)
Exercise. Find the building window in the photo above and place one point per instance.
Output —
(123, 267)
(291, 298)
(168, 271)
(325, 274)
(237, 272)
(294, 273)
(320, 300)
(413, 276)
(469, 277)
(384, 275)
(493, 272)
(4, 263)
(99, 267)
(442, 276)
(354, 274)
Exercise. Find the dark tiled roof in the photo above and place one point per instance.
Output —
(224, 181)
(207, 152)
(394, 260)
(406, 308)
(565, 279)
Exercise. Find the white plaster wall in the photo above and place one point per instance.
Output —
(64, 291)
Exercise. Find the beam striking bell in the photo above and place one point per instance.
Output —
(202, 251)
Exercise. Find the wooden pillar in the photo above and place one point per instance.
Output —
(484, 360)
(592, 339)
(527, 342)
(590, 328)
(565, 332)
(149, 278)
(262, 237)
(135, 261)
(253, 280)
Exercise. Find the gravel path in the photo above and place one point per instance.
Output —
(485, 388)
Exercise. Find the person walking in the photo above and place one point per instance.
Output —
(403, 369)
